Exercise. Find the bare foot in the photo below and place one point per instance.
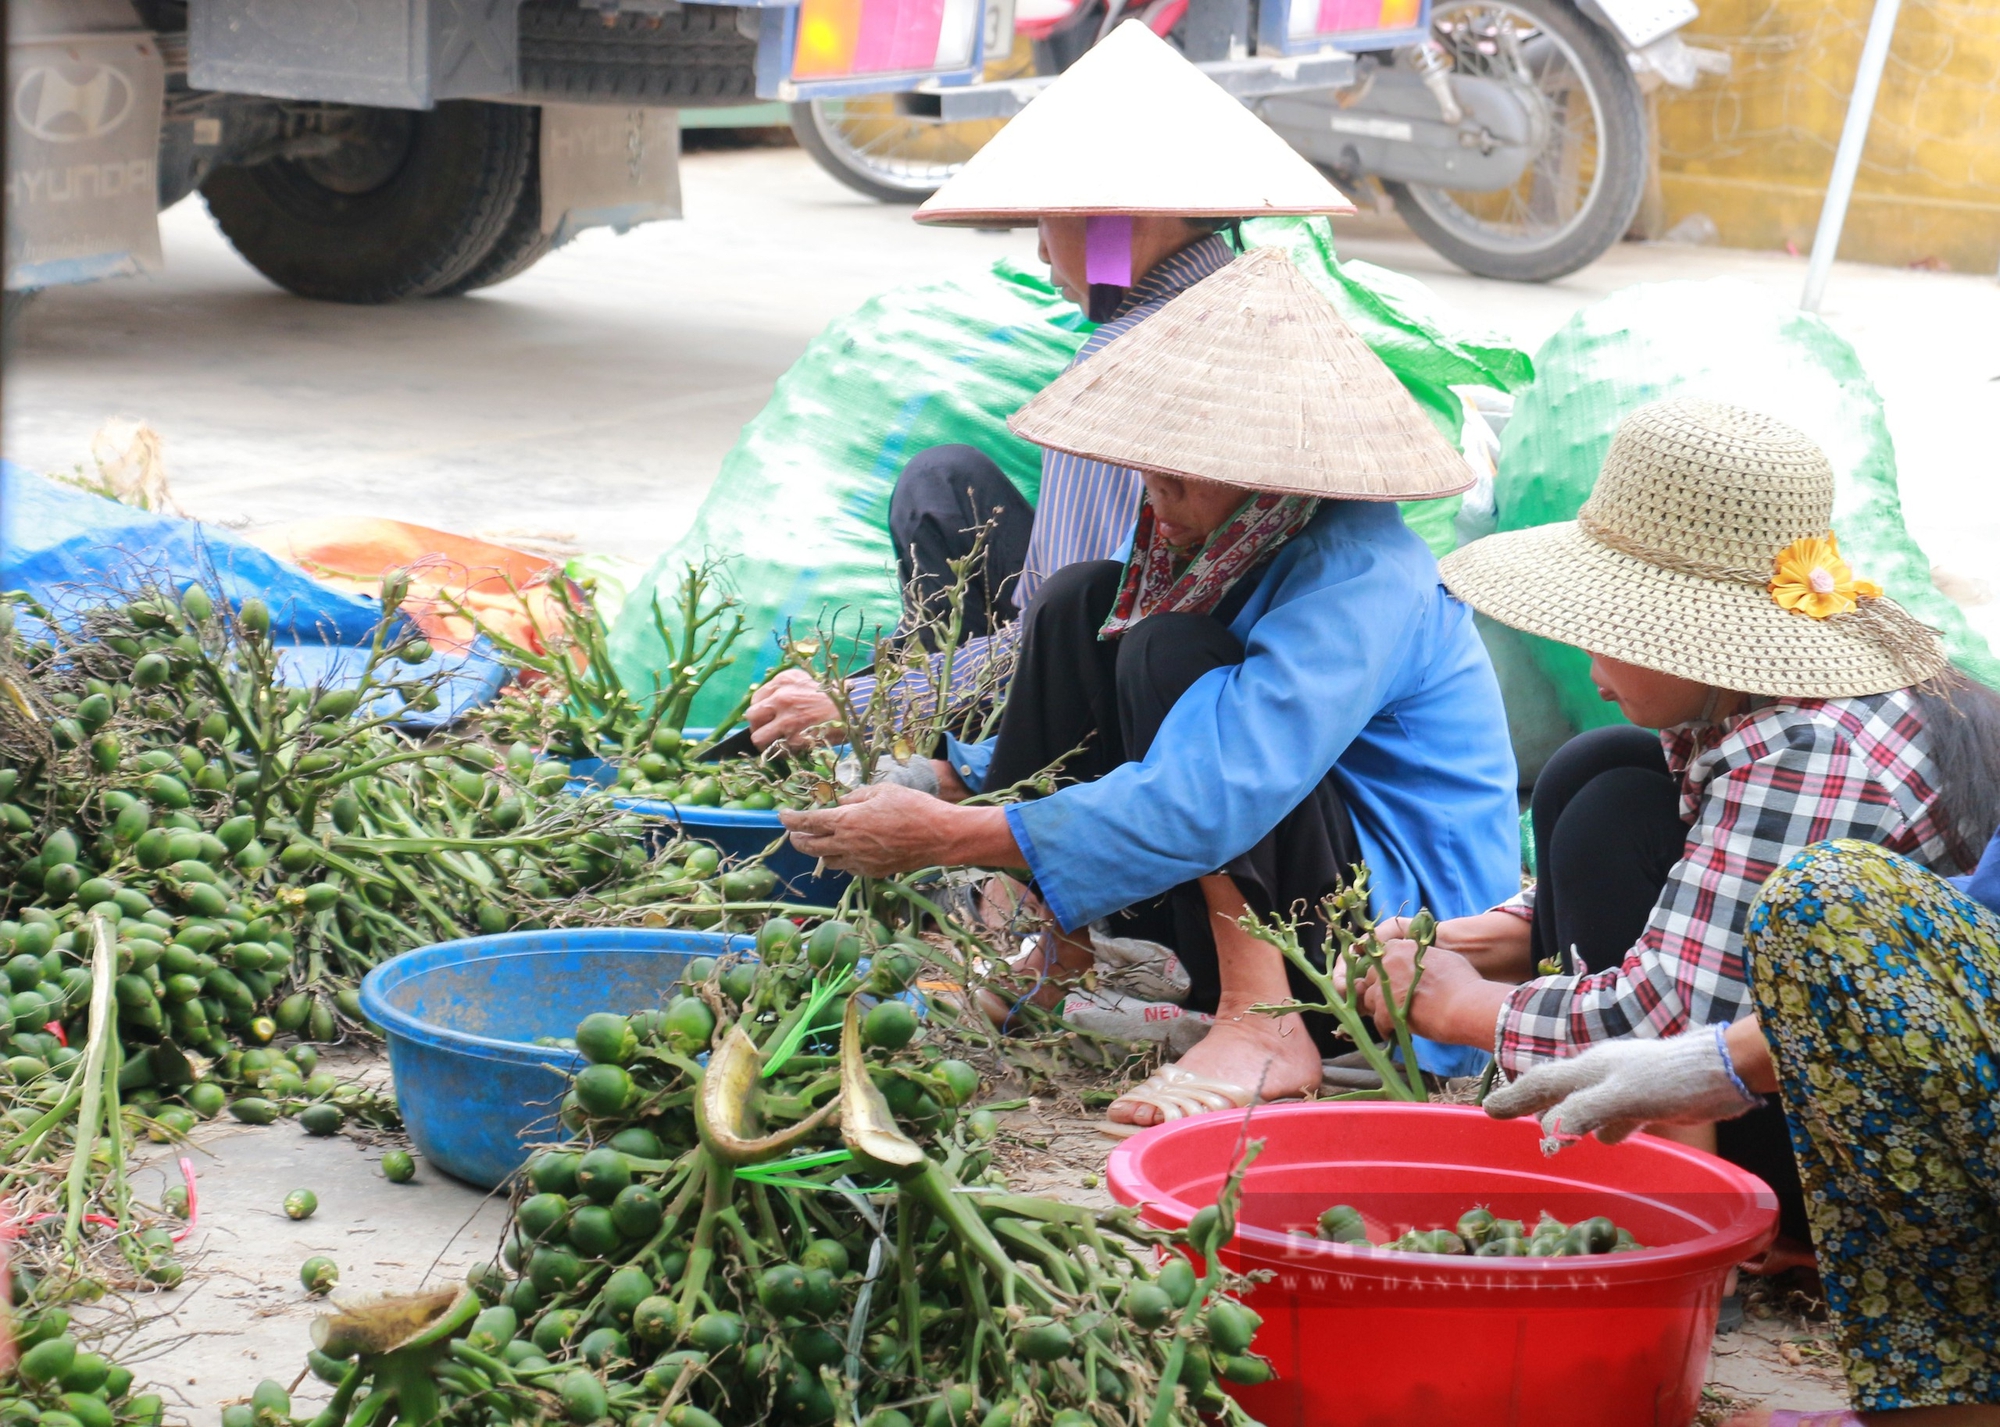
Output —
(1270, 1056)
(1783, 1254)
(1006, 904)
(1039, 976)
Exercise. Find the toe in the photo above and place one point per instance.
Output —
(1134, 1112)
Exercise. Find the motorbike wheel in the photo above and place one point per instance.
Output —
(892, 157)
(1579, 192)
(874, 150)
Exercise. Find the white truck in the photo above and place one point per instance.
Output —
(369, 151)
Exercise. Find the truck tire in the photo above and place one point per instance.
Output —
(691, 58)
(410, 204)
(522, 243)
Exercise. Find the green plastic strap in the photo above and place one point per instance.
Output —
(822, 992)
(784, 1173)
(788, 1182)
(797, 1162)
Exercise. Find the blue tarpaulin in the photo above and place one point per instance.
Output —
(68, 550)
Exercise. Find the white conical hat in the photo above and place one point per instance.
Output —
(1132, 127)
(1252, 378)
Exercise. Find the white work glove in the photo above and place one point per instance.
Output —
(918, 773)
(912, 772)
(1620, 1086)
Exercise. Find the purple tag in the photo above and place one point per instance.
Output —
(1107, 249)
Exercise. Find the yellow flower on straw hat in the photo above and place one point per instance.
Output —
(1814, 580)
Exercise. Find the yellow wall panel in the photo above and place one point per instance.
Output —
(1753, 150)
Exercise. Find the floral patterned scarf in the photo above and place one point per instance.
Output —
(1160, 580)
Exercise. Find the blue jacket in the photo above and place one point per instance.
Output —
(1356, 659)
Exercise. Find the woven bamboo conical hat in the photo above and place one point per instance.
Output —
(1251, 378)
(1132, 127)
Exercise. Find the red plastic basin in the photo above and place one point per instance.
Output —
(1364, 1337)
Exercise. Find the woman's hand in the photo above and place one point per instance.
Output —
(791, 709)
(885, 828)
(1453, 1004)
(1499, 944)
(951, 787)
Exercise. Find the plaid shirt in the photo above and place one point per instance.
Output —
(1086, 508)
(1755, 789)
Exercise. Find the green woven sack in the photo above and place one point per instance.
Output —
(1731, 341)
(1429, 347)
(800, 507)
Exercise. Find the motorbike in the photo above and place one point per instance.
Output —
(1510, 135)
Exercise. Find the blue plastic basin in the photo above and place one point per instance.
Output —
(737, 833)
(461, 1018)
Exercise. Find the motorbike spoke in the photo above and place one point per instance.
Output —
(867, 136)
(1554, 190)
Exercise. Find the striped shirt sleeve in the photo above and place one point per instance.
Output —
(914, 695)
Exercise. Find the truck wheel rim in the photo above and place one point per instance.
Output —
(374, 143)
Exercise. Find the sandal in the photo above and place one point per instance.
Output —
(1178, 1093)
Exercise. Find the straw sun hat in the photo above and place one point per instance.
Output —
(1706, 551)
(1132, 128)
(1249, 378)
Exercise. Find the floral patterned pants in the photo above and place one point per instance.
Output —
(1878, 987)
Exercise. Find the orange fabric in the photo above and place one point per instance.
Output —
(507, 590)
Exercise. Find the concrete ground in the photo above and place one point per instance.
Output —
(242, 1310)
(241, 1315)
(594, 397)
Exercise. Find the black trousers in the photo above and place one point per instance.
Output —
(1095, 704)
(942, 498)
(1608, 830)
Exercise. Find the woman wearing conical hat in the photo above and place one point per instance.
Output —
(1130, 165)
(1776, 699)
(1271, 688)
